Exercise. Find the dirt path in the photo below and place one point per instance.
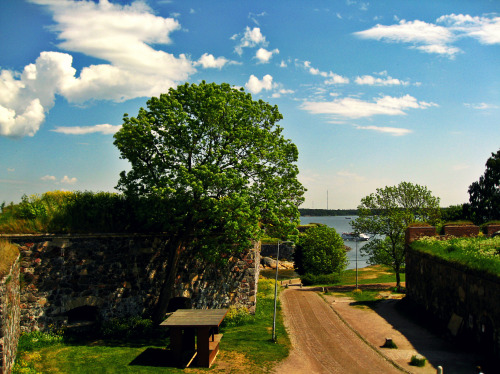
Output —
(322, 342)
(321, 329)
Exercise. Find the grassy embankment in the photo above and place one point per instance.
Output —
(245, 347)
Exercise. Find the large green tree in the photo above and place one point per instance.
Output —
(484, 195)
(386, 214)
(219, 167)
(320, 250)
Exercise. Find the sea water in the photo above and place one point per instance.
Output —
(341, 224)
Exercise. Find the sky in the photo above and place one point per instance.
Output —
(373, 93)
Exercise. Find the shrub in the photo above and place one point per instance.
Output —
(133, 327)
(417, 360)
(237, 317)
(38, 339)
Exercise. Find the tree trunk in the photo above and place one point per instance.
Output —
(166, 293)
(397, 270)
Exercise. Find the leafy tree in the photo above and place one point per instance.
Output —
(320, 250)
(386, 214)
(484, 195)
(217, 168)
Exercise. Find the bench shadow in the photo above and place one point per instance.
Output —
(155, 357)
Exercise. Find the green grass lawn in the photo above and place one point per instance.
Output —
(370, 274)
(245, 347)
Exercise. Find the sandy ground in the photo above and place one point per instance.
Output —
(330, 335)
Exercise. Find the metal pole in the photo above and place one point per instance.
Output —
(275, 293)
(356, 263)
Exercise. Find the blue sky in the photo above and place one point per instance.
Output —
(372, 92)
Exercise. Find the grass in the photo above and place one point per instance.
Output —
(478, 253)
(245, 347)
(8, 254)
(370, 275)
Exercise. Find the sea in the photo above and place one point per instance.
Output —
(342, 224)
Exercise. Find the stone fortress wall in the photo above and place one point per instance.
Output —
(467, 301)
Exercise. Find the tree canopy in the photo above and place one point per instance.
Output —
(484, 195)
(386, 214)
(218, 165)
(320, 250)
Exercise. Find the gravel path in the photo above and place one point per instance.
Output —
(322, 342)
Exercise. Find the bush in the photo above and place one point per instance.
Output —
(320, 250)
(38, 339)
(312, 279)
(237, 317)
(134, 327)
(418, 361)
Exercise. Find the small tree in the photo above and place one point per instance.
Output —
(320, 250)
(386, 214)
(218, 168)
(484, 195)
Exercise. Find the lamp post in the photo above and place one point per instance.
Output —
(276, 288)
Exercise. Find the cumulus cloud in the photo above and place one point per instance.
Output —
(48, 178)
(209, 61)
(82, 130)
(394, 131)
(380, 81)
(254, 85)
(120, 35)
(437, 39)
(67, 180)
(251, 38)
(263, 55)
(356, 108)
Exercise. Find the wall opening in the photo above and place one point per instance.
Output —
(84, 314)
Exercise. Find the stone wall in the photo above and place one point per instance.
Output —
(9, 318)
(465, 300)
(108, 276)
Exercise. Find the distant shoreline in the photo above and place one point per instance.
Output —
(327, 212)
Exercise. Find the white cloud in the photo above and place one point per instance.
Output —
(251, 38)
(424, 36)
(333, 78)
(482, 106)
(355, 108)
(11, 170)
(67, 180)
(254, 85)
(377, 81)
(350, 175)
(263, 55)
(484, 29)
(120, 35)
(48, 178)
(82, 130)
(281, 92)
(209, 61)
(433, 38)
(283, 64)
(336, 79)
(386, 130)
